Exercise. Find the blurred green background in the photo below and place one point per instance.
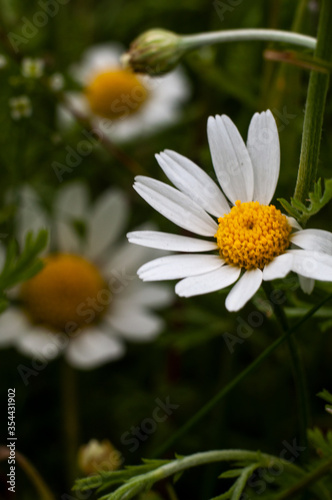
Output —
(190, 361)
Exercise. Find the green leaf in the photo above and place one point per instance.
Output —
(317, 200)
(21, 267)
(327, 396)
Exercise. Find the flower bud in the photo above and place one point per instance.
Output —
(98, 455)
(155, 52)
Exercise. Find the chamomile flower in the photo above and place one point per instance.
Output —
(124, 104)
(250, 239)
(20, 107)
(87, 299)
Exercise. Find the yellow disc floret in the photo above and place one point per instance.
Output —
(252, 235)
(115, 94)
(61, 292)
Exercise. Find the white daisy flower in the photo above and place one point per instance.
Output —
(252, 240)
(87, 299)
(123, 104)
(20, 107)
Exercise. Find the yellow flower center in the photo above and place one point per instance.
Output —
(115, 94)
(64, 292)
(252, 235)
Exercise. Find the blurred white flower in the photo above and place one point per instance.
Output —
(87, 299)
(123, 104)
(253, 241)
(3, 61)
(56, 82)
(32, 68)
(20, 107)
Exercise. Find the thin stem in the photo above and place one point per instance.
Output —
(138, 483)
(315, 105)
(70, 419)
(233, 383)
(32, 473)
(190, 42)
(297, 369)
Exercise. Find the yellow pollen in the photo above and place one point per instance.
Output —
(252, 235)
(62, 292)
(115, 94)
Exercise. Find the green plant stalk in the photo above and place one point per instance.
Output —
(298, 373)
(241, 376)
(191, 42)
(138, 483)
(70, 419)
(315, 105)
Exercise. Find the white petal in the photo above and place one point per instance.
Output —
(97, 59)
(279, 267)
(175, 206)
(135, 323)
(306, 284)
(193, 181)
(40, 343)
(13, 324)
(179, 266)
(170, 242)
(71, 202)
(244, 290)
(293, 223)
(67, 239)
(30, 216)
(92, 348)
(108, 217)
(311, 264)
(209, 282)
(264, 150)
(313, 239)
(149, 295)
(231, 159)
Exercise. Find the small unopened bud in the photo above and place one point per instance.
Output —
(98, 455)
(155, 52)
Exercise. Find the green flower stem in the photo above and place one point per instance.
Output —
(70, 419)
(190, 42)
(298, 372)
(138, 483)
(314, 110)
(241, 376)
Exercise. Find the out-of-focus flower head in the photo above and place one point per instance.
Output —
(121, 103)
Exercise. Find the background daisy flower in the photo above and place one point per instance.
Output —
(124, 104)
(253, 241)
(86, 300)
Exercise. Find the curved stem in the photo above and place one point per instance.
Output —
(190, 42)
(314, 110)
(32, 473)
(138, 483)
(233, 383)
